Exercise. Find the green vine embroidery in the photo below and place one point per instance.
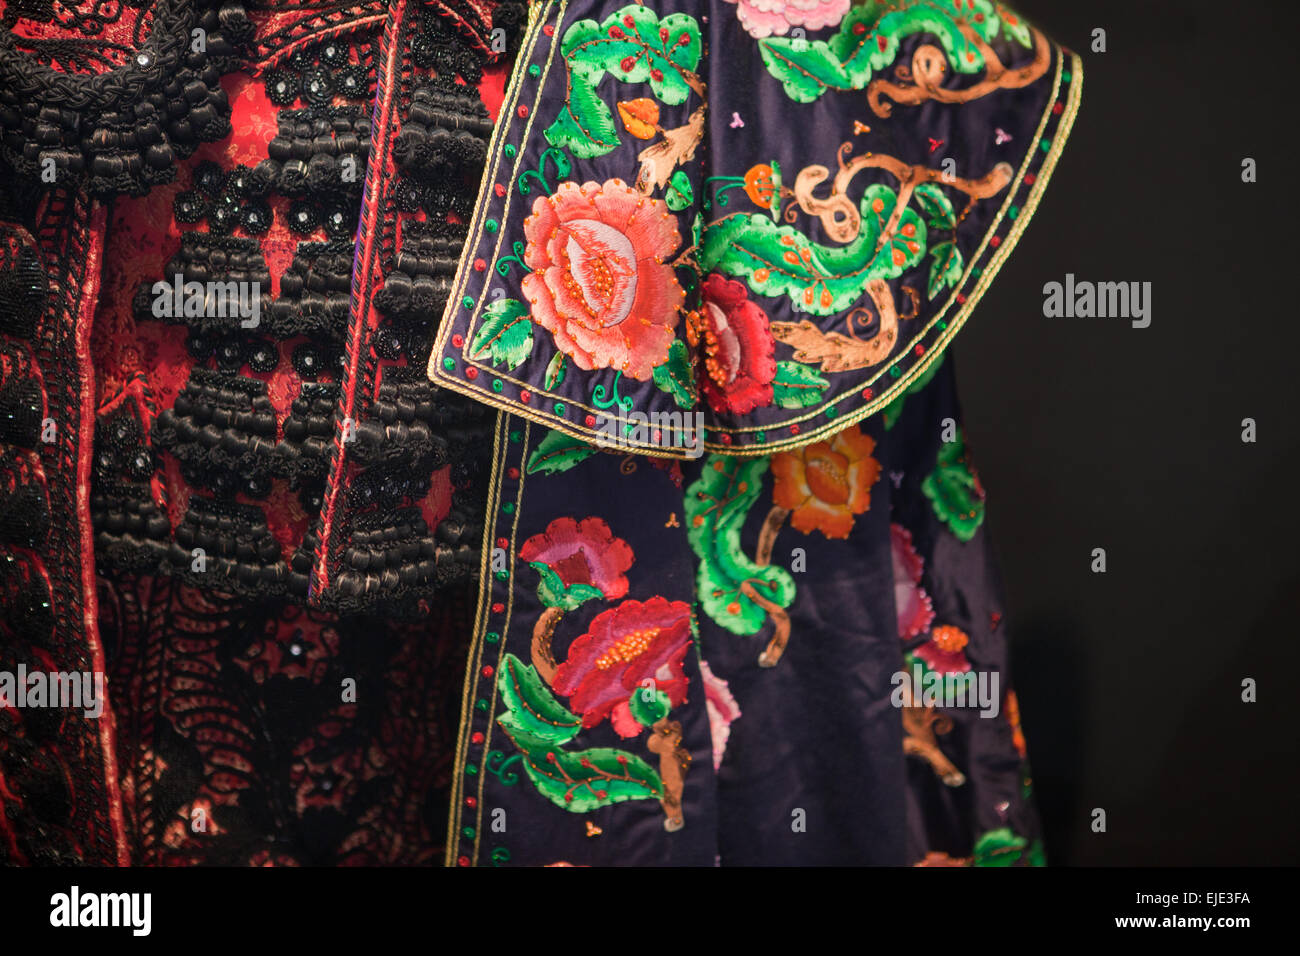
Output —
(868, 41)
(501, 770)
(822, 280)
(563, 167)
(738, 593)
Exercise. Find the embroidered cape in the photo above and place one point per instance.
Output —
(651, 449)
(748, 230)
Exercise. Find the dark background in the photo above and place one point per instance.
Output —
(1090, 433)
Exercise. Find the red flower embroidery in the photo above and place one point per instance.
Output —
(624, 646)
(582, 552)
(739, 363)
(599, 282)
(945, 651)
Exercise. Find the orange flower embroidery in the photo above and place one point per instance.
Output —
(599, 282)
(826, 483)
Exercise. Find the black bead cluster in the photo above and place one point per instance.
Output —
(317, 74)
(436, 46)
(227, 200)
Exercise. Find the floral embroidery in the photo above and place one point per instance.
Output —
(954, 490)
(582, 552)
(945, 651)
(624, 646)
(763, 186)
(762, 18)
(634, 46)
(915, 611)
(599, 282)
(722, 708)
(826, 483)
(628, 666)
(738, 366)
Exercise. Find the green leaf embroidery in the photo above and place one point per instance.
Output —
(717, 504)
(1012, 25)
(868, 41)
(1001, 847)
(676, 377)
(805, 69)
(648, 706)
(797, 385)
(954, 491)
(533, 717)
(679, 193)
(555, 370)
(587, 779)
(945, 269)
(936, 206)
(635, 46)
(538, 725)
(506, 333)
(558, 452)
(552, 591)
(780, 260)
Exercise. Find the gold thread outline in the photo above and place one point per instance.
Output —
(476, 644)
(501, 648)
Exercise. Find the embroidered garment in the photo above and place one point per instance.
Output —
(279, 397)
(228, 483)
(747, 230)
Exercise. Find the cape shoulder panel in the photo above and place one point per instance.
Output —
(705, 223)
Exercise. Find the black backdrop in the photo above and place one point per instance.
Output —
(1092, 434)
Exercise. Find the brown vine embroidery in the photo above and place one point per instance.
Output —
(929, 66)
(780, 619)
(665, 740)
(920, 726)
(835, 351)
(543, 632)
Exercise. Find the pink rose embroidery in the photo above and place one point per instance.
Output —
(600, 283)
(763, 18)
